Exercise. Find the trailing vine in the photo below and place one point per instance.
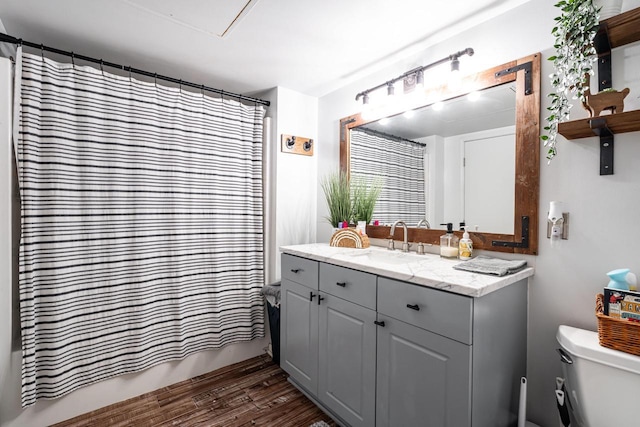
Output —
(574, 32)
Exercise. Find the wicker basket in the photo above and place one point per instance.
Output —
(617, 334)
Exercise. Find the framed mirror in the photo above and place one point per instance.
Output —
(472, 162)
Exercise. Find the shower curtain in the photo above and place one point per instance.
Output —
(401, 163)
(142, 233)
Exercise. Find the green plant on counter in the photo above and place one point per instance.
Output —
(364, 197)
(337, 193)
(574, 33)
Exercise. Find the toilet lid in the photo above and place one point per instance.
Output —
(584, 344)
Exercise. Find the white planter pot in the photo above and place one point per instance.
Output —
(362, 227)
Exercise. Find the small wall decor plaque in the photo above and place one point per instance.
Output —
(296, 145)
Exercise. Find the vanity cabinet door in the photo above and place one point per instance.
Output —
(347, 365)
(423, 379)
(299, 334)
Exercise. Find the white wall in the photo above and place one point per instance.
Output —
(296, 192)
(604, 225)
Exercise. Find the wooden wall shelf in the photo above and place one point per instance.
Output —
(614, 32)
(628, 121)
(623, 28)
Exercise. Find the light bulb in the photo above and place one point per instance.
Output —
(473, 96)
(420, 79)
(555, 211)
(391, 89)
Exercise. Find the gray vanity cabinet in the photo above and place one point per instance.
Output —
(347, 362)
(423, 379)
(347, 343)
(299, 321)
(328, 342)
(375, 351)
(424, 356)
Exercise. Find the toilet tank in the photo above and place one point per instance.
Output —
(601, 383)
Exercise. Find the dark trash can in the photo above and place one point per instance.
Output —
(272, 296)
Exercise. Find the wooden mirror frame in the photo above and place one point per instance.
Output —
(527, 170)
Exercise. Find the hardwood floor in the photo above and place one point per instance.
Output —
(250, 393)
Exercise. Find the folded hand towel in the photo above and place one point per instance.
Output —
(488, 265)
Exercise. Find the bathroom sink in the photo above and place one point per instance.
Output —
(389, 257)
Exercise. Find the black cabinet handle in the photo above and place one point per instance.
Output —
(341, 284)
(379, 323)
(296, 270)
(311, 296)
(413, 307)
(320, 298)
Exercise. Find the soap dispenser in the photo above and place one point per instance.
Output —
(465, 248)
(449, 243)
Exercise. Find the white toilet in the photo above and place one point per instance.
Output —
(601, 383)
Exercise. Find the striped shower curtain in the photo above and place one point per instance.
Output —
(401, 164)
(142, 234)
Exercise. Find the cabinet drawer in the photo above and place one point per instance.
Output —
(437, 311)
(355, 286)
(300, 270)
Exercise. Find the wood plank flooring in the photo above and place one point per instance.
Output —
(250, 393)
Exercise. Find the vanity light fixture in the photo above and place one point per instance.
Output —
(416, 74)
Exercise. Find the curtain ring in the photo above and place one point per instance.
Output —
(202, 90)
(102, 67)
(41, 49)
(180, 86)
(129, 73)
(155, 80)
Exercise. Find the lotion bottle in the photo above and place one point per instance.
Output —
(449, 243)
(465, 248)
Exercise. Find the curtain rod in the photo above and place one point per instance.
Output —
(10, 39)
(388, 135)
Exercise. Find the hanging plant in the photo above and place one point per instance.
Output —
(574, 33)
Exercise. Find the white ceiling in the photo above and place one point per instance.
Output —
(311, 46)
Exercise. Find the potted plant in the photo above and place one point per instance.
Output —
(574, 33)
(337, 193)
(364, 197)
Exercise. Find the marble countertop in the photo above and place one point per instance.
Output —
(427, 270)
